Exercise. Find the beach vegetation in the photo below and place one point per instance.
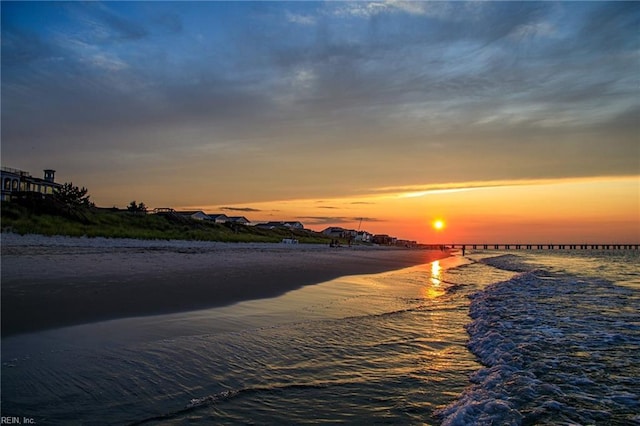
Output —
(50, 216)
(133, 207)
(72, 196)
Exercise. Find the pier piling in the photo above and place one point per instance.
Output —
(528, 246)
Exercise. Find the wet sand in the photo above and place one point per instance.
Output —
(50, 282)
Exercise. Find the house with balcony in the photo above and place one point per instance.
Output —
(18, 183)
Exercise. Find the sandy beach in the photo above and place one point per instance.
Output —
(49, 282)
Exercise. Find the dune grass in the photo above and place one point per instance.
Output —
(39, 218)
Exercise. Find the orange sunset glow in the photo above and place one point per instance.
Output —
(562, 211)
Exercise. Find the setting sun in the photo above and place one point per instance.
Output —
(438, 225)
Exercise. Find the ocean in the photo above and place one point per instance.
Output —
(505, 338)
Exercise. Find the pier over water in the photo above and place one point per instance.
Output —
(534, 246)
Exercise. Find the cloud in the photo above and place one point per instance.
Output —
(543, 29)
(436, 72)
(103, 24)
(363, 9)
(300, 19)
(240, 209)
(410, 191)
(107, 62)
(371, 9)
(333, 104)
(329, 220)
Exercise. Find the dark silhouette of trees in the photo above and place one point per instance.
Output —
(137, 208)
(72, 196)
(70, 201)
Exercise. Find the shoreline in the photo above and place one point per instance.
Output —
(52, 282)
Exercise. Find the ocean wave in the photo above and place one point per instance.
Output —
(508, 262)
(557, 349)
(226, 395)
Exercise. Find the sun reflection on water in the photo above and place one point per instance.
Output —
(434, 289)
(436, 273)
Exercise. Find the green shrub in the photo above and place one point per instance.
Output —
(47, 217)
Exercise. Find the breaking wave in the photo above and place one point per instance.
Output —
(557, 349)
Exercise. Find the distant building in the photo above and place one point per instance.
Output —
(406, 243)
(294, 225)
(281, 224)
(363, 236)
(200, 215)
(17, 183)
(334, 232)
(239, 220)
(338, 232)
(194, 214)
(218, 217)
(270, 225)
(383, 239)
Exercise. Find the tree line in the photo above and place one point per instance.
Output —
(75, 197)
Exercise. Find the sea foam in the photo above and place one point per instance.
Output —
(556, 348)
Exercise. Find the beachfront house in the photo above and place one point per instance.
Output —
(218, 217)
(241, 220)
(270, 225)
(334, 232)
(294, 225)
(383, 239)
(406, 243)
(19, 183)
(281, 224)
(194, 214)
(338, 232)
(363, 236)
(200, 215)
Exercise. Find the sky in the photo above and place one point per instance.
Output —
(510, 121)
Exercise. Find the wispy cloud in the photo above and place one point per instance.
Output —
(300, 19)
(102, 24)
(410, 191)
(368, 9)
(240, 209)
(330, 220)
